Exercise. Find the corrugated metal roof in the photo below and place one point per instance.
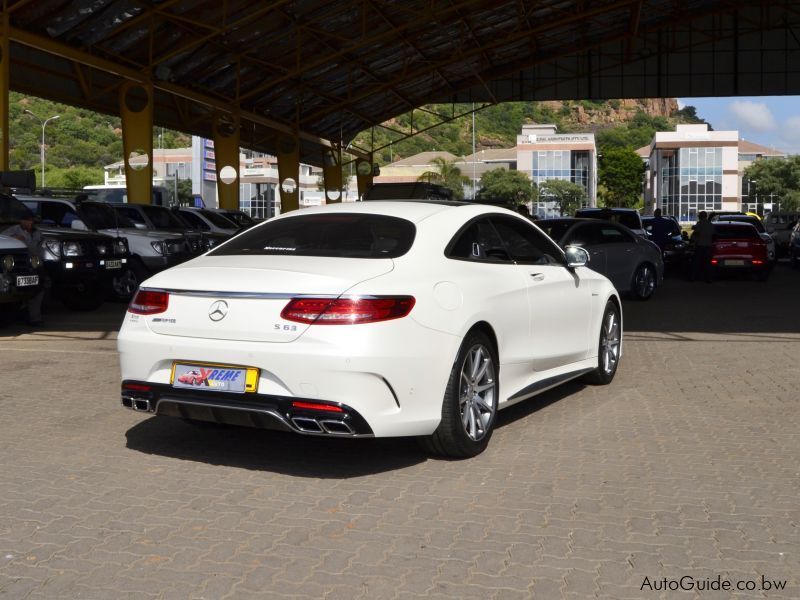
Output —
(332, 69)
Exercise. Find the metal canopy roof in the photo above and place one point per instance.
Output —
(332, 69)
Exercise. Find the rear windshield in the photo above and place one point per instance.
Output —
(629, 219)
(732, 232)
(744, 219)
(340, 235)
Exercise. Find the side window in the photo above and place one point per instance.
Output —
(195, 221)
(526, 244)
(36, 207)
(56, 213)
(479, 242)
(614, 235)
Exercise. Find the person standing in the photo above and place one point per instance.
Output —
(703, 238)
(661, 230)
(27, 232)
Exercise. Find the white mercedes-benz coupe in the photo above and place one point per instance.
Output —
(377, 318)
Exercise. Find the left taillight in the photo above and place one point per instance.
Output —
(347, 311)
(149, 302)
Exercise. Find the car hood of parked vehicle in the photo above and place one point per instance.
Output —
(10, 243)
(65, 233)
(150, 233)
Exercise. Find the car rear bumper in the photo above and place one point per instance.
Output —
(396, 389)
(307, 416)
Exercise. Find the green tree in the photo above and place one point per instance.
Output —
(776, 180)
(512, 187)
(185, 192)
(620, 174)
(448, 175)
(567, 195)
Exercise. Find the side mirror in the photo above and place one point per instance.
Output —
(78, 224)
(576, 257)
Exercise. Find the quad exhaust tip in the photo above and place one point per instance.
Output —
(329, 426)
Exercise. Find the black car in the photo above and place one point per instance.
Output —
(79, 264)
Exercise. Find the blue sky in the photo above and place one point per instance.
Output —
(772, 121)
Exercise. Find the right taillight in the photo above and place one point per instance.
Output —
(149, 302)
(347, 311)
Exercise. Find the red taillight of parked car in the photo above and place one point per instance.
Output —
(149, 302)
(347, 311)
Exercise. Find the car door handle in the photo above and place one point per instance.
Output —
(538, 276)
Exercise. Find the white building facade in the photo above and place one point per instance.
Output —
(693, 169)
(544, 154)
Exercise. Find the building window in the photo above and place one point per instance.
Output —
(565, 165)
(690, 182)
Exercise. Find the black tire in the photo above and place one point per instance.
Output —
(83, 297)
(124, 285)
(643, 282)
(608, 347)
(466, 426)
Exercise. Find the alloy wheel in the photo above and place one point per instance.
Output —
(609, 342)
(645, 281)
(477, 398)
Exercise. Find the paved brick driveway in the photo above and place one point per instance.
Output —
(686, 466)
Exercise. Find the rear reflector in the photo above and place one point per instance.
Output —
(137, 387)
(317, 406)
(714, 261)
(347, 311)
(149, 302)
(758, 262)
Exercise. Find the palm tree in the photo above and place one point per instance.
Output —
(448, 175)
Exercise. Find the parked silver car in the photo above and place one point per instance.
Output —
(632, 263)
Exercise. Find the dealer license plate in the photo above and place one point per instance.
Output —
(113, 264)
(214, 378)
(734, 263)
(25, 280)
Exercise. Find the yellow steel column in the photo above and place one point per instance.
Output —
(136, 110)
(364, 175)
(226, 154)
(289, 172)
(4, 84)
(332, 173)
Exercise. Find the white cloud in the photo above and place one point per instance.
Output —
(755, 116)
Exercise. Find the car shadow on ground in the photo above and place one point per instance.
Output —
(277, 451)
(301, 455)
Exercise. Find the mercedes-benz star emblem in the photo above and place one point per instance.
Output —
(218, 310)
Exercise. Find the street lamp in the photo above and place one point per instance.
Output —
(44, 124)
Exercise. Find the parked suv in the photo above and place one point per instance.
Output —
(160, 218)
(208, 220)
(624, 216)
(19, 276)
(80, 264)
(755, 222)
(150, 251)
